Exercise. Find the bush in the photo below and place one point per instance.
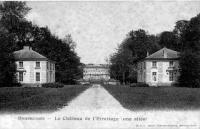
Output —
(52, 85)
(140, 84)
(133, 84)
(176, 84)
(17, 84)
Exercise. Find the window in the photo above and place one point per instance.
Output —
(37, 64)
(154, 64)
(20, 64)
(37, 76)
(154, 76)
(21, 76)
(50, 65)
(171, 76)
(171, 64)
(47, 65)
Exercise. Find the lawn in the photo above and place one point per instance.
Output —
(34, 99)
(156, 98)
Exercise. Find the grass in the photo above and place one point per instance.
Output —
(156, 98)
(32, 99)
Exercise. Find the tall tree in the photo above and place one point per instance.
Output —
(67, 62)
(69, 41)
(133, 48)
(168, 39)
(190, 59)
(13, 19)
(179, 32)
(12, 13)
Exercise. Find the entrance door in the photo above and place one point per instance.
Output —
(154, 78)
(21, 77)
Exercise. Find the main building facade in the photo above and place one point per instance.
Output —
(98, 72)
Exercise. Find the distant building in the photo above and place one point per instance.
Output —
(95, 73)
(33, 68)
(159, 69)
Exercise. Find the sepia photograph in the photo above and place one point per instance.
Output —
(100, 64)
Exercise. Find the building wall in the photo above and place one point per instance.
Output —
(145, 72)
(50, 73)
(30, 70)
(96, 73)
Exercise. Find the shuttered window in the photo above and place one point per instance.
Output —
(37, 76)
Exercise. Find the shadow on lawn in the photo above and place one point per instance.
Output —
(156, 98)
(37, 100)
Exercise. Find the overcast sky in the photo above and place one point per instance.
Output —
(97, 27)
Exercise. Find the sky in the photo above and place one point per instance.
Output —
(99, 27)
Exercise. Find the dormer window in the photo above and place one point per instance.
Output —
(37, 64)
(21, 64)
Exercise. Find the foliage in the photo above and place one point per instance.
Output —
(190, 59)
(135, 47)
(139, 85)
(7, 62)
(12, 14)
(168, 39)
(67, 62)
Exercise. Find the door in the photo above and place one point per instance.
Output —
(154, 78)
(21, 77)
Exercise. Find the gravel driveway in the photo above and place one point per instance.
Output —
(94, 98)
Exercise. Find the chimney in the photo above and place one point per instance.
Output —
(147, 53)
(27, 48)
(164, 54)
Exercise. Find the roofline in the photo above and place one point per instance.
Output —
(34, 59)
(146, 59)
(96, 66)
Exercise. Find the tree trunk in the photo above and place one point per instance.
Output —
(123, 78)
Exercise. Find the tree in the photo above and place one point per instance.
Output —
(13, 20)
(68, 40)
(190, 59)
(179, 32)
(67, 62)
(139, 42)
(121, 63)
(168, 39)
(12, 13)
(7, 62)
(132, 49)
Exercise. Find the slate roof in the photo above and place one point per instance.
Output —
(164, 53)
(28, 54)
(96, 66)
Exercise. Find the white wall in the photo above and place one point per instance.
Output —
(30, 72)
(96, 73)
(145, 75)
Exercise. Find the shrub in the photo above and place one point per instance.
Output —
(140, 84)
(133, 84)
(52, 85)
(17, 84)
(176, 84)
